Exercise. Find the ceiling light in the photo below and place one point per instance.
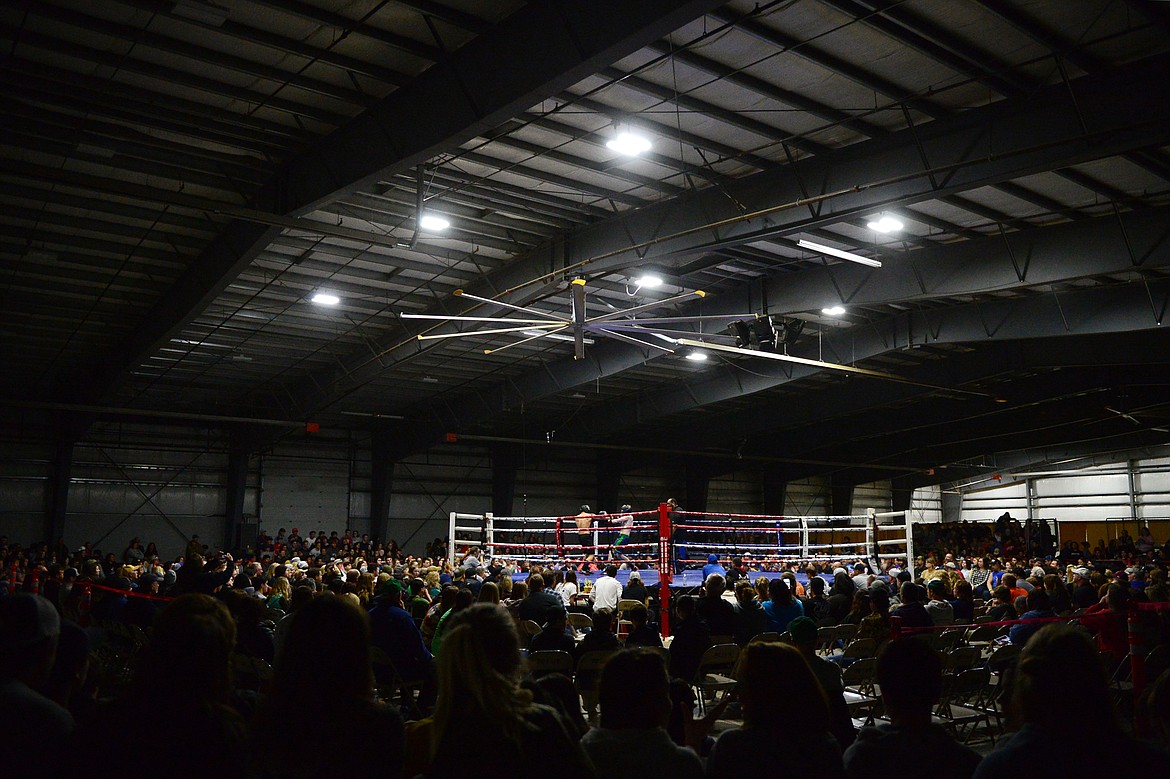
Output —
(829, 250)
(432, 222)
(325, 299)
(697, 356)
(834, 311)
(629, 144)
(886, 224)
(649, 280)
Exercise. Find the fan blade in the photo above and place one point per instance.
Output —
(628, 339)
(445, 318)
(493, 331)
(819, 364)
(502, 304)
(646, 307)
(521, 341)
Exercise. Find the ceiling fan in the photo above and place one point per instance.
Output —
(1136, 421)
(578, 326)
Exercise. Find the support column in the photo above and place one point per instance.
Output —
(840, 499)
(57, 496)
(610, 467)
(902, 495)
(237, 486)
(698, 483)
(382, 459)
(505, 463)
(775, 490)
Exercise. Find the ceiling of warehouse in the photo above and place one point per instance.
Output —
(180, 177)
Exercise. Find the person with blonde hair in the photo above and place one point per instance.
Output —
(281, 592)
(483, 712)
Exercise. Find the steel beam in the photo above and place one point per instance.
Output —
(987, 145)
(407, 128)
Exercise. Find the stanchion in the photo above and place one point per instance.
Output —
(1137, 664)
(665, 568)
(34, 580)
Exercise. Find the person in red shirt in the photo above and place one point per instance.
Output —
(1107, 618)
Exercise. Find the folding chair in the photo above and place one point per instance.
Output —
(588, 679)
(390, 683)
(860, 696)
(551, 661)
(961, 705)
(716, 673)
(861, 648)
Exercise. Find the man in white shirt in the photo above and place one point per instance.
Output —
(607, 590)
(861, 575)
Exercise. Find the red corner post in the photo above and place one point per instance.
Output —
(1137, 660)
(665, 568)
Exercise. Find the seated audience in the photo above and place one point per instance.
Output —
(712, 607)
(785, 717)
(782, 608)
(632, 742)
(1038, 608)
(330, 639)
(691, 639)
(941, 612)
(804, 637)
(909, 674)
(1069, 726)
(601, 637)
(642, 633)
(1001, 608)
(751, 619)
(482, 715)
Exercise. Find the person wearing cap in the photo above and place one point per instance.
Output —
(910, 677)
(1084, 594)
(625, 523)
(804, 637)
(713, 566)
(35, 728)
(392, 630)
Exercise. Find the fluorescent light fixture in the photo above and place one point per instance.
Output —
(432, 222)
(325, 299)
(697, 356)
(629, 144)
(830, 251)
(648, 280)
(554, 336)
(886, 224)
(834, 311)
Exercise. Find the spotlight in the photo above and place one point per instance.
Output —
(887, 224)
(697, 356)
(742, 333)
(629, 144)
(325, 299)
(764, 334)
(789, 331)
(432, 222)
(833, 311)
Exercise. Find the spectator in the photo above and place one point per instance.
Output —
(1108, 620)
(877, 624)
(1038, 608)
(840, 596)
(771, 677)
(482, 714)
(1002, 608)
(435, 614)
(750, 619)
(642, 634)
(1084, 594)
(713, 566)
(1062, 697)
(601, 637)
(607, 590)
(963, 603)
(804, 637)
(913, 611)
(540, 603)
(186, 665)
(635, 589)
(817, 606)
(782, 608)
(35, 728)
(632, 742)
(712, 607)
(909, 674)
(691, 639)
(463, 599)
(392, 630)
(331, 638)
(941, 612)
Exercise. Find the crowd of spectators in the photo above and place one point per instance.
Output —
(423, 659)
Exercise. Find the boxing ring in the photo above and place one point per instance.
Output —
(670, 546)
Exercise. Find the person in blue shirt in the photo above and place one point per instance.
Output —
(783, 606)
(713, 566)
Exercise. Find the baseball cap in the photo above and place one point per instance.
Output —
(803, 630)
(26, 620)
